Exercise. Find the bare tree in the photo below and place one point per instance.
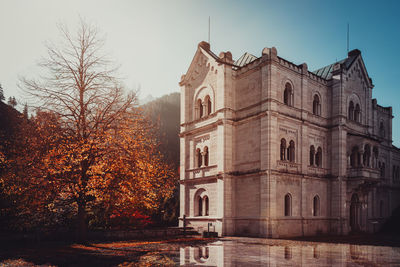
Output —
(102, 134)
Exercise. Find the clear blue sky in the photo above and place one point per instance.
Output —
(154, 41)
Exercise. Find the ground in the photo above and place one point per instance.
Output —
(353, 250)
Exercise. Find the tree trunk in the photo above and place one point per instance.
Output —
(81, 223)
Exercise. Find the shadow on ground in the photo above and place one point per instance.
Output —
(124, 253)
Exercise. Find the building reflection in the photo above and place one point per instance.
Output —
(234, 253)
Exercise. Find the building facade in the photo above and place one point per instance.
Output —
(271, 149)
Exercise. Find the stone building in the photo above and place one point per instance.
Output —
(271, 149)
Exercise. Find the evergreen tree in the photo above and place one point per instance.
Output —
(12, 101)
(1, 93)
(25, 111)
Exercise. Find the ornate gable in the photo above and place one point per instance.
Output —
(203, 62)
(357, 74)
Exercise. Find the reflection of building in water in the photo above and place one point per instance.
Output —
(211, 255)
(229, 253)
(271, 149)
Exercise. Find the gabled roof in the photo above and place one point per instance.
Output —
(326, 72)
(245, 59)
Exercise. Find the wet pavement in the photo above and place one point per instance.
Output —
(194, 251)
(272, 252)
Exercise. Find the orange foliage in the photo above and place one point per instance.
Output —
(89, 151)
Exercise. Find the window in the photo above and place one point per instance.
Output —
(312, 154)
(375, 157)
(198, 158)
(283, 149)
(316, 206)
(381, 207)
(199, 108)
(351, 111)
(291, 152)
(288, 95)
(206, 205)
(318, 157)
(288, 253)
(354, 158)
(382, 129)
(367, 155)
(200, 203)
(316, 105)
(205, 156)
(288, 205)
(208, 105)
(382, 167)
(357, 113)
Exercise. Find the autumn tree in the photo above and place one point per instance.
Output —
(95, 148)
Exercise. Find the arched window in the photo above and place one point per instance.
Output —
(357, 113)
(318, 157)
(382, 129)
(354, 159)
(205, 156)
(375, 157)
(383, 171)
(200, 206)
(283, 149)
(288, 205)
(206, 205)
(316, 105)
(312, 154)
(198, 158)
(208, 105)
(288, 253)
(291, 152)
(288, 95)
(351, 111)
(316, 206)
(200, 108)
(367, 155)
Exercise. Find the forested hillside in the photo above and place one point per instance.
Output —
(165, 113)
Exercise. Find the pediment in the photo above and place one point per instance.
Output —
(201, 64)
(357, 73)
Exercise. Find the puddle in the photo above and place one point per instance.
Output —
(262, 252)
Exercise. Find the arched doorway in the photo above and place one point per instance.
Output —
(355, 210)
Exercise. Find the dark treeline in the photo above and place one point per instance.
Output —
(164, 113)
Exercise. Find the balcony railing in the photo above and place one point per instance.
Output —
(288, 166)
(201, 172)
(363, 172)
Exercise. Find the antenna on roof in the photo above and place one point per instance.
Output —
(348, 32)
(209, 22)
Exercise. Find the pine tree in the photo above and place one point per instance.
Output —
(25, 111)
(1, 93)
(12, 101)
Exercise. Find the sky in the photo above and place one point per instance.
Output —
(155, 41)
